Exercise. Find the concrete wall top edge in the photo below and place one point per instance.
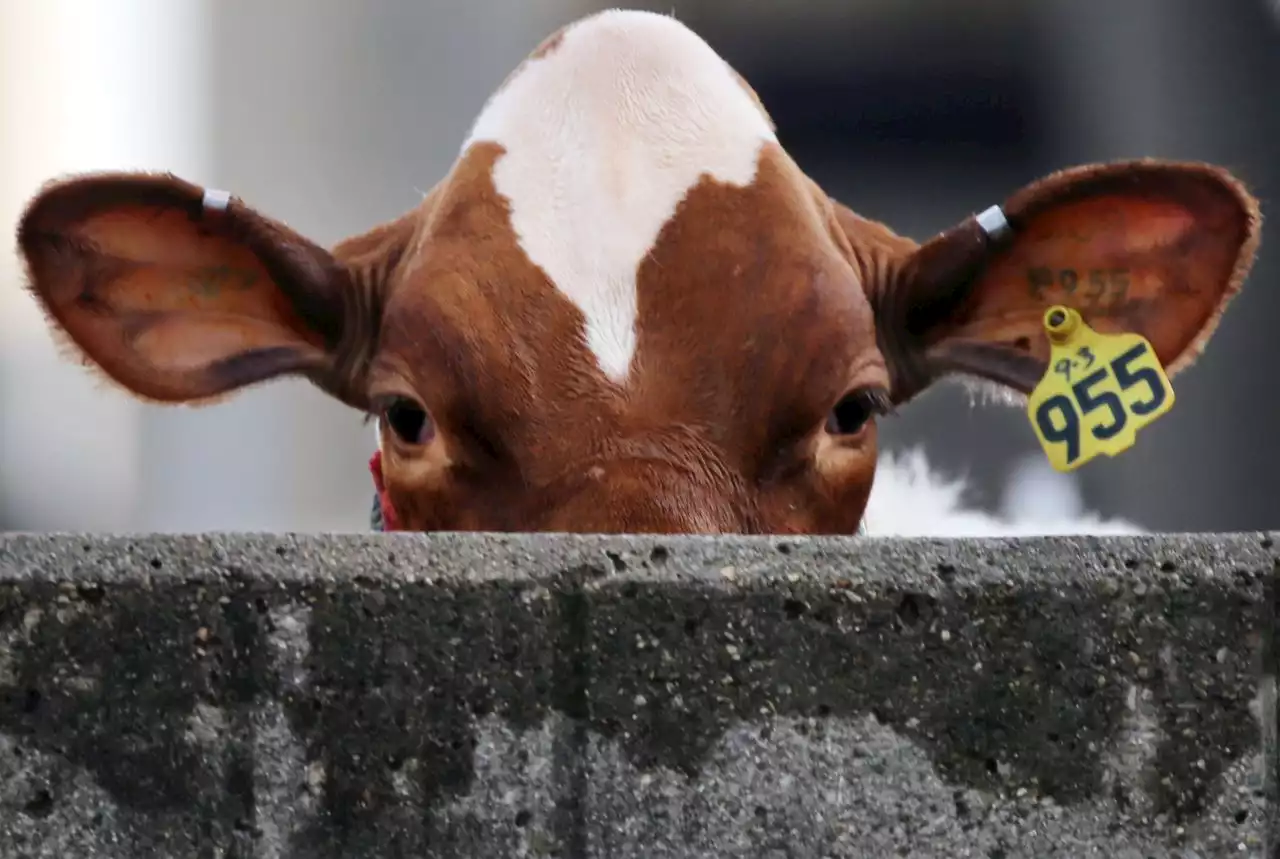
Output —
(400, 558)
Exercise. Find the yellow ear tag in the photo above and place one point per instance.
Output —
(1099, 390)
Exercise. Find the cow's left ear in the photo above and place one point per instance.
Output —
(1150, 247)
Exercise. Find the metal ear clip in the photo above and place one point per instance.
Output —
(215, 200)
(994, 223)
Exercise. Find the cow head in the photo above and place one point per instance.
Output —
(626, 308)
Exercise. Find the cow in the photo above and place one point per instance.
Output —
(626, 308)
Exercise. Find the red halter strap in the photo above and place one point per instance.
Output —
(389, 520)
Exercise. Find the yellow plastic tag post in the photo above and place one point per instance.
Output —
(1098, 391)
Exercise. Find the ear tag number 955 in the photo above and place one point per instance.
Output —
(1099, 390)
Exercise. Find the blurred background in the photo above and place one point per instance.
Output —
(334, 115)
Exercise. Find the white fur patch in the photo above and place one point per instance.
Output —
(603, 137)
(909, 499)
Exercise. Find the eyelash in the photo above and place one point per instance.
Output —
(856, 409)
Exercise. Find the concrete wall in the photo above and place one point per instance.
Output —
(399, 695)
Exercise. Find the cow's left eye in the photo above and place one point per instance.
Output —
(856, 409)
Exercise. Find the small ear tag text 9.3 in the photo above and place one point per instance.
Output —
(1098, 391)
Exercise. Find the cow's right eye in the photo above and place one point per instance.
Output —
(408, 420)
(856, 409)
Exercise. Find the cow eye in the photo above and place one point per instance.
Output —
(408, 420)
(856, 408)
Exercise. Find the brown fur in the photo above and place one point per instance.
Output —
(758, 309)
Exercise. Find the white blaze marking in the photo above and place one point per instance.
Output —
(603, 138)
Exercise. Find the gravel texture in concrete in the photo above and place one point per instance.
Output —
(449, 696)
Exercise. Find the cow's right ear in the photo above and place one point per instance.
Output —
(182, 295)
(1156, 248)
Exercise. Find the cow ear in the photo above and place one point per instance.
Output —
(1150, 247)
(182, 295)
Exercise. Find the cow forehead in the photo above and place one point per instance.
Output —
(604, 131)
